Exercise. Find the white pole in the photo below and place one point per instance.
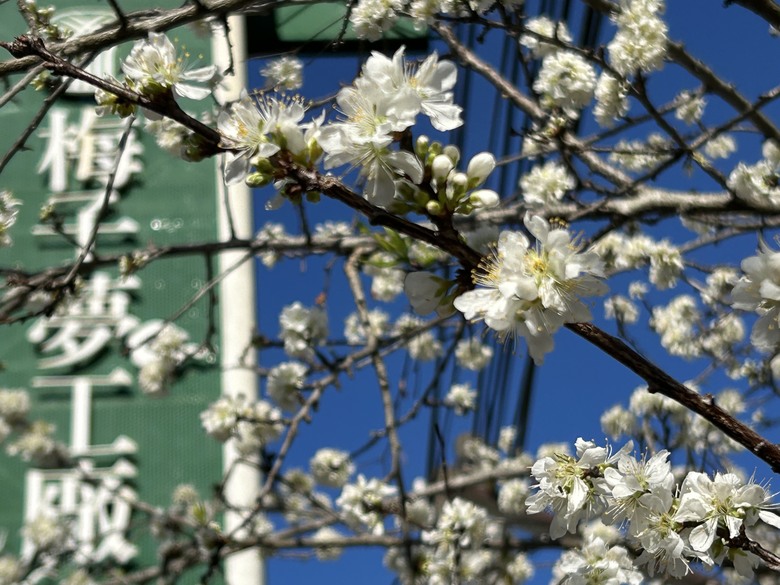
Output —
(237, 319)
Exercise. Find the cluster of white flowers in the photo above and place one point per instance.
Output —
(354, 330)
(270, 232)
(372, 18)
(622, 252)
(384, 100)
(546, 184)
(46, 532)
(531, 291)
(611, 100)
(461, 525)
(640, 41)
(361, 503)
(36, 443)
(472, 354)
(461, 398)
(757, 184)
(284, 384)
(255, 129)
(158, 349)
(759, 290)
(387, 280)
(596, 561)
(673, 526)
(331, 467)
(251, 424)
(690, 108)
(540, 28)
(422, 344)
(721, 146)
(302, 329)
(284, 73)
(153, 67)
(8, 214)
(566, 80)
(676, 323)
(635, 155)
(621, 308)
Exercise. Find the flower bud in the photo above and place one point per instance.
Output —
(433, 207)
(452, 152)
(441, 167)
(255, 180)
(480, 168)
(459, 181)
(484, 199)
(421, 146)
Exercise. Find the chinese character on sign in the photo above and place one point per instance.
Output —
(83, 326)
(93, 496)
(82, 21)
(77, 153)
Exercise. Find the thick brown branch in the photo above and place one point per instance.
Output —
(661, 382)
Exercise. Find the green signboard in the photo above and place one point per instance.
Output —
(81, 364)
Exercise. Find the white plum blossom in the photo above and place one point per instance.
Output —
(8, 215)
(259, 424)
(721, 146)
(461, 525)
(567, 486)
(461, 398)
(245, 126)
(542, 28)
(283, 73)
(251, 424)
(759, 290)
(691, 107)
(158, 349)
(302, 329)
(153, 67)
(611, 100)
(361, 503)
(472, 354)
(617, 422)
(46, 532)
(639, 488)
(354, 329)
(566, 80)
(421, 344)
(724, 502)
(14, 405)
(37, 444)
(676, 324)
(372, 18)
(596, 563)
(426, 291)
(331, 467)
(756, 184)
(636, 155)
(531, 291)
(640, 42)
(621, 308)
(520, 569)
(512, 495)
(546, 184)
(284, 384)
(411, 89)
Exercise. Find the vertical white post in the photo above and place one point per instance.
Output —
(237, 319)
